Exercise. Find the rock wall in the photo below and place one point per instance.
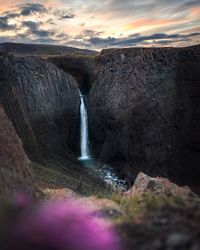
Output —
(15, 170)
(43, 103)
(144, 111)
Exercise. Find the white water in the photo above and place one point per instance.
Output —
(84, 142)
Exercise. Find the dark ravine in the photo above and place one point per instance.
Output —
(82, 68)
(144, 111)
(43, 103)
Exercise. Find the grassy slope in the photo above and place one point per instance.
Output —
(45, 50)
(81, 181)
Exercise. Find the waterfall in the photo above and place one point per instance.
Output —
(84, 143)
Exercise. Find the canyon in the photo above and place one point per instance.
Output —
(143, 106)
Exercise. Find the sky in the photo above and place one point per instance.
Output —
(101, 24)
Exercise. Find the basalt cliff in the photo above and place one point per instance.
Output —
(42, 102)
(144, 111)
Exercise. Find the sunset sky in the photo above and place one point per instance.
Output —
(101, 24)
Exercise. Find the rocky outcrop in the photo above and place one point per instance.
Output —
(144, 111)
(43, 103)
(146, 185)
(15, 170)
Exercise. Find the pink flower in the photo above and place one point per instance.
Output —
(59, 226)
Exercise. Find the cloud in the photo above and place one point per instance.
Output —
(31, 8)
(32, 16)
(62, 35)
(64, 14)
(187, 6)
(21, 10)
(88, 33)
(152, 22)
(145, 8)
(4, 25)
(34, 29)
(33, 22)
(31, 25)
(133, 40)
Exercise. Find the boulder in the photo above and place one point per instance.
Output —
(159, 186)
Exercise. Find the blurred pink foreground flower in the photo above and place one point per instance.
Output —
(58, 226)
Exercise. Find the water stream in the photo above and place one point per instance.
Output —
(84, 140)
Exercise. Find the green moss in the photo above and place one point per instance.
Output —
(142, 204)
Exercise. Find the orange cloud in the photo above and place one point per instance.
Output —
(195, 11)
(146, 23)
(5, 5)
